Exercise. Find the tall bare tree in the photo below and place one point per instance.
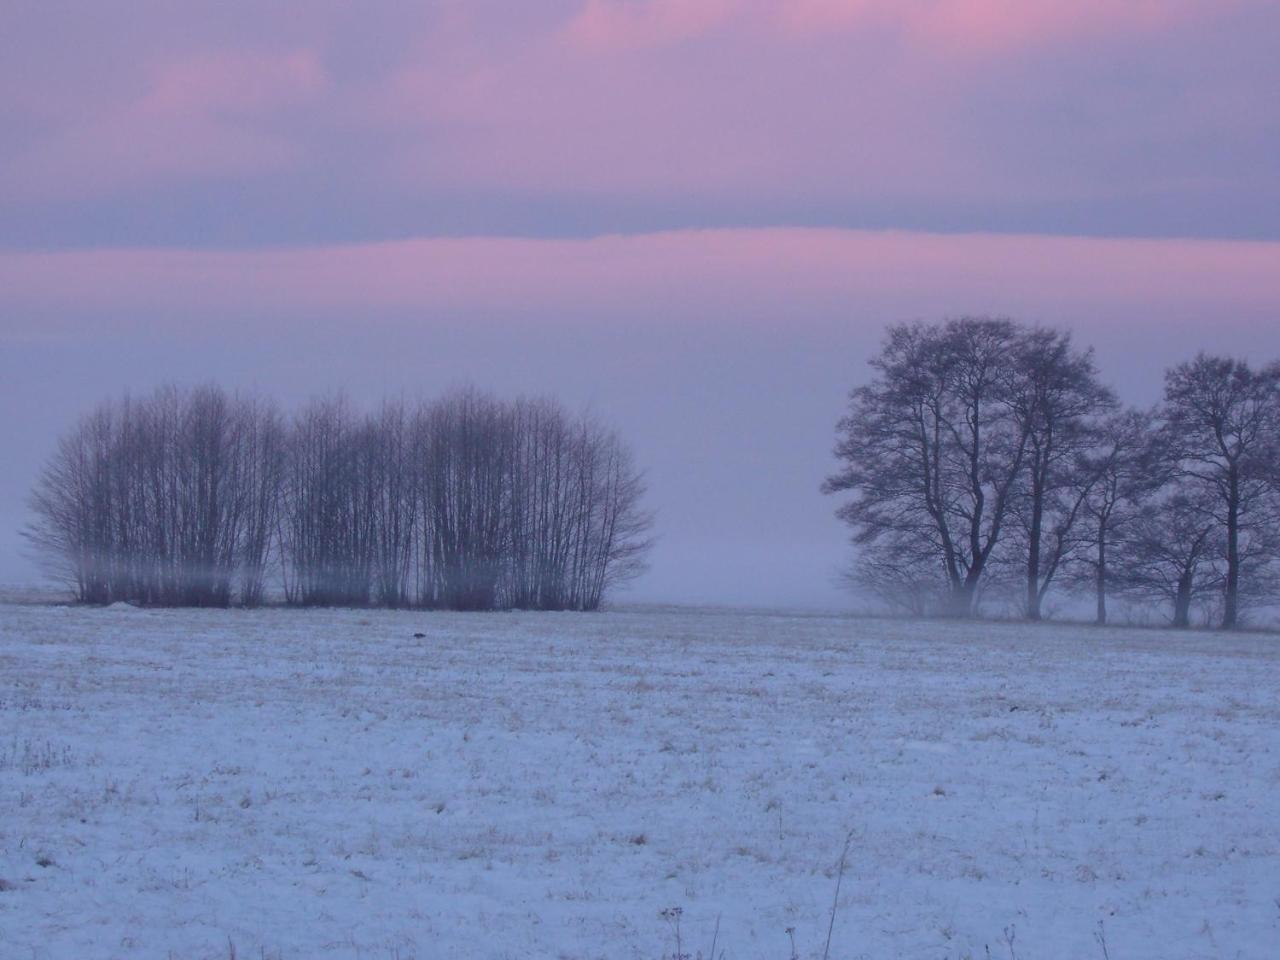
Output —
(1221, 431)
(1120, 467)
(395, 509)
(1171, 553)
(1058, 401)
(933, 447)
(328, 537)
(466, 499)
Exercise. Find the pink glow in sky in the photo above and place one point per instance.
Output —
(694, 216)
(738, 280)
(234, 123)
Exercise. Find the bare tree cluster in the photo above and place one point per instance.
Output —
(169, 500)
(984, 453)
(466, 502)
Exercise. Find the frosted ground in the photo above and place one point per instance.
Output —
(322, 784)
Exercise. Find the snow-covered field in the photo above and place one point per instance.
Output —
(323, 784)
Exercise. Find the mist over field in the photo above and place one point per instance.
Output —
(723, 360)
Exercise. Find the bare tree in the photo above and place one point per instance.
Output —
(524, 506)
(261, 440)
(1221, 430)
(542, 504)
(901, 571)
(395, 508)
(1171, 553)
(329, 503)
(1119, 465)
(465, 494)
(609, 535)
(72, 526)
(932, 449)
(1057, 400)
(167, 499)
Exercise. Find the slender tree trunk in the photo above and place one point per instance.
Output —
(1231, 607)
(1101, 576)
(1182, 601)
(1033, 557)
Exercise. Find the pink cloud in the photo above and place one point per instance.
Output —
(958, 25)
(557, 114)
(913, 101)
(757, 106)
(992, 26)
(770, 278)
(234, 83)
(610, 25)
(205, 115)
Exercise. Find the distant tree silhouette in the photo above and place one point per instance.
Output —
(1220, 431)
(1059, 401)
(932, 450)
(170, 499)
(1118, 464)
(198, 498)
(1171, 554)
(982, 451)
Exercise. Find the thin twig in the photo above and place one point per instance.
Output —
(1101, 936)
(835, 901)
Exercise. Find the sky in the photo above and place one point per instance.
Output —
(693, 218)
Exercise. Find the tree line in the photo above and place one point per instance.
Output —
(201, 498)
(985, 459)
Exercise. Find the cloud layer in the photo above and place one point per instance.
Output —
(740, 280)
(229, 124)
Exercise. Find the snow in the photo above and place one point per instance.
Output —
(320, 784)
